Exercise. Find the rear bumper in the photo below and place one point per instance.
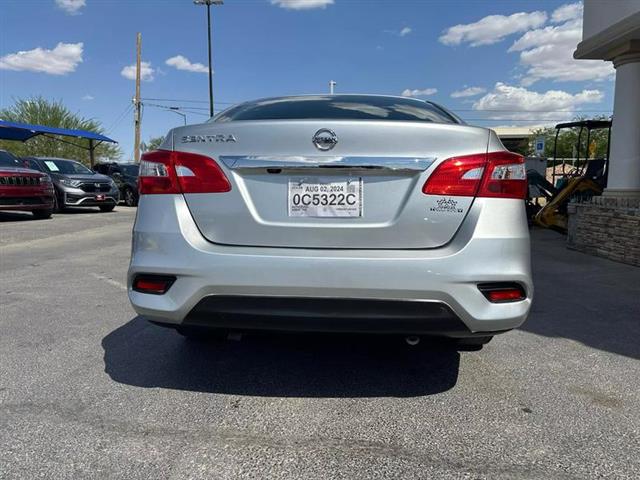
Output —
(304, 283)
(298, 314)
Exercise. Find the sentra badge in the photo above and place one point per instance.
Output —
(220, 138)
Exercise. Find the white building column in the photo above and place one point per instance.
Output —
(624, 163)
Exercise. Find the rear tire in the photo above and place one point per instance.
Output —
(200, 334)
(130, 198)
(42, 214)
(472, 344)
(107, 208)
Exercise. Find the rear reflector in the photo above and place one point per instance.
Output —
(502, 292)
(153, 284)
(494, 174)
(163, 171)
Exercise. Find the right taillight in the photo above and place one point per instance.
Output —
(164, 171)
(494, 174)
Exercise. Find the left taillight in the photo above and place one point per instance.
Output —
(164, 171)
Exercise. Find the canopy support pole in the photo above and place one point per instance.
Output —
(92, 148)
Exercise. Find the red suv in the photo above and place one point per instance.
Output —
(23, 189)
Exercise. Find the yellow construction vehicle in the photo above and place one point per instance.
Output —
(587, 178)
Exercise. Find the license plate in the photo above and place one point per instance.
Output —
(321, 197)
(100, 197)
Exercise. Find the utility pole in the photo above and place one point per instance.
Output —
(332, 85)
(137, 117)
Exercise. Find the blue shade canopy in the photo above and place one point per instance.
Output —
(23, 132)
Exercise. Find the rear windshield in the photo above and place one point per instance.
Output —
(131, 170)
(338, 107)
(8, 160)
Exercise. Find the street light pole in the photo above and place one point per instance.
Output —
(175, 110)
(208, 3)
(210, 67)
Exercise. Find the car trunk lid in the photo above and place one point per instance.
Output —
(383, 164)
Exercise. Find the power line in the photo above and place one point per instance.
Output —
(452, 109)
(119, 119)
(177, 109)
(186, 101)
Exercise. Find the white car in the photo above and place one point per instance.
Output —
(338, 213)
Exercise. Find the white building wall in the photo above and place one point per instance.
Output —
(601, 14)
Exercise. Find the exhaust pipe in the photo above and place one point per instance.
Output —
(412, 340)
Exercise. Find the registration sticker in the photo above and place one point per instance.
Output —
(325, 197)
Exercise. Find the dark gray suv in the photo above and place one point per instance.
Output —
(77, 185)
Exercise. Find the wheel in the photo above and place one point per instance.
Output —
(107, 208)
(199, 334)
(130, 198)
(42, 214)
(472, 344)
(58, 206)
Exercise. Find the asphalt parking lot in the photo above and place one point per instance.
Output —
(88, 390)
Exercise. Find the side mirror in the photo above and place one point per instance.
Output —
(117, 175)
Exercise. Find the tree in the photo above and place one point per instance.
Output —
(568, 141)
(39, 111)
(153, 144)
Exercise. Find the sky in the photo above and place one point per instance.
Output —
(498, 63)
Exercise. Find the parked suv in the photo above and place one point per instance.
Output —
(76, 185)
(126, 177)
(23, 189)
(352, 213)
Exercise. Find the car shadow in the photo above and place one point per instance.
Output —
(584, 298)
(289, 365)
(79, 211)
(7, 216)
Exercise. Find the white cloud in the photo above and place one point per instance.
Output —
(183, 63)
(302, 4)
(72, 7)
(547, 53)
(403, 32)
(520, 102)
(147, 72)
(492, 29)
(570, 11)
(419, 92)
(63, 59)
(468, 92)
(88, 97)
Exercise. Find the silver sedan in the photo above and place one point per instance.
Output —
(338, 213)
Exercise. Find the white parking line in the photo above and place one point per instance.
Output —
(110, 281)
